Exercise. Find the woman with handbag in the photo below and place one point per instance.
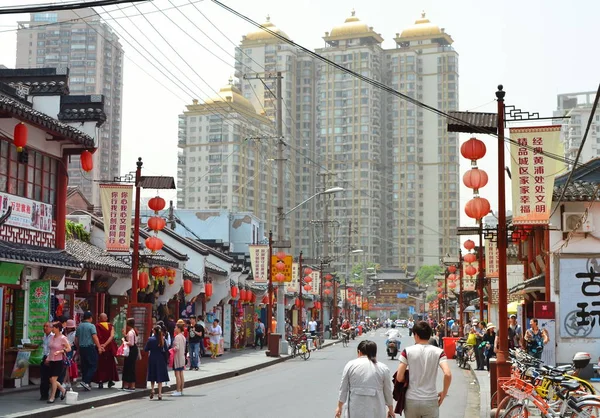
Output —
(179, 359)
(58, 347)
(130, 360)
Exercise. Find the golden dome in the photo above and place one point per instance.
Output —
(422, 28)
(262, 35)
(352, 26)
(232, 95)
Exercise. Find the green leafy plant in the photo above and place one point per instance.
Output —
(76, 231)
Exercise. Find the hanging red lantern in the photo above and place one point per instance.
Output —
(307, 279)
(142, 280)
(249, 295)
(279, 277)
(187, 286)
(253, 298)
(156, 223)
(327, 291)
(328, 284)
(469, 244)
(441, 296)
(298, 303)
(470, 271)
(171, 273)
(20, 136)
(328, 277)
(234, 292)
(159, 271)
(317, 305)
(171, 281)
(452, 277)
(281, 255)
(470, 258)
(154, 244)
(477, 207)
(280, 265)
(157, 204)
(452, 285)
(308, 271)
(452, 269)
(475, 178)
(307, 287)
(439, 289)
(87, 161)
(243, 295)
(265, 300)
(473, 149)
(208, 289)
(515, 236)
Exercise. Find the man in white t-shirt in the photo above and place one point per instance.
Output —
(312, 327)
(422, 398)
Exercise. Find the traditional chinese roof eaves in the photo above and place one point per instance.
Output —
(24, 253)
(588, 172)
(146, 256)
(210, 267)
(83, 114)
(192, 276)
(258, 287)
(157, 182)
(95, 258)
(535, 283)
(194, 245)
(27, 114)
(577, 191)
(44, 88)
(473, 122)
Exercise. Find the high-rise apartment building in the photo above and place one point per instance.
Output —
(80, 41)
(223, 162)
(578, 106)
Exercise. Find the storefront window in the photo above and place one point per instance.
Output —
(35, 180)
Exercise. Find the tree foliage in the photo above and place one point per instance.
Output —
(426, 274)
(76, 231)
(358, 271)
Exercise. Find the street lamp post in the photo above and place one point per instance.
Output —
(358, 251)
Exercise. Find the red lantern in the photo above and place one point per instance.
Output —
(20, 136)
(171, 281)
(475, 178)
(265, 300)
(253, 298)
(328, 277)
(477, 207)
(515, 236)
(452, 285)
(298, 302)
(307, 287)
(234, 291)
(171, 273)
(452, 277)
(142, 280)
(280, 265)
(452, 269)
(473, 149)
(87, 161)
(156, 223)
(469, 258)
(154, 244)
(441, 296)
(156, 203)
(317, 305)
(279, 277)
(281, 255)
(159, 271)
(208, 290)
(469, 245)
(187, 286)
(307, 279)
(439, 289)
(470, 271)
(307, 271)
(328, 284)
(243, 295)
(327, 291)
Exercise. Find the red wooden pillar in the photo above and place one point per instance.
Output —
(62, 181)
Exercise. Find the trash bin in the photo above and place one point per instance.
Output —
(450, 346)
(273, 345)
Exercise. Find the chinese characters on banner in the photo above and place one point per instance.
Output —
(533, 172)
(116, 210)
(579, 298)
(293, 285)
(491, 258)
(259, 259)
(316, 282)
(287, 272)
(26, 213)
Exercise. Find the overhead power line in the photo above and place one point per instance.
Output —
(53, 7)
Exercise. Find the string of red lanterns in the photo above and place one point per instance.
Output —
(156, 224)
(475, 179)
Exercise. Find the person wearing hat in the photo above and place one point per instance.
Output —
(489, 338)
(88, 347)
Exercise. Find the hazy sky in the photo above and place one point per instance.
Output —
(537, 49)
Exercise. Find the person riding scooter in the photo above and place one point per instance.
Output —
(393, 336)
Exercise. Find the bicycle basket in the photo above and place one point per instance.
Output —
(518, 389)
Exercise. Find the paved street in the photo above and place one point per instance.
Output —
(295, 388)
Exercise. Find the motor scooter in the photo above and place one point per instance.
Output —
(392, 349)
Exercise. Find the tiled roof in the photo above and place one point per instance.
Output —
(577, 191)
(529, 285)
(83, 114)
(41, 88)
(27, 114)
(34, 254)
(473, 122)
(192, 276)
(157, 182)
(157, 258)
(215, 269)
(95, 258)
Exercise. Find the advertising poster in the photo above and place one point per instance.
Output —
(259, 259)
(21, 365)
(39, 309)
(26, 213)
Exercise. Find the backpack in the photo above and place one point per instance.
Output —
(536, 345)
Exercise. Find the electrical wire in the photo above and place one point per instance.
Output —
(54, 7)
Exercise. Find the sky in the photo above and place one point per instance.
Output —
(536, 49)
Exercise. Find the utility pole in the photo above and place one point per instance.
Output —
(346, 316)
(171, 215)
(300, 289)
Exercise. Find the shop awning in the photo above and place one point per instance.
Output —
(35, 255)
(10, 273)
(513, 307)
(469, 309)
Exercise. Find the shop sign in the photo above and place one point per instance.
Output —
(26, 213)
(533, 172)
(579, 297)
(39, 309)
(116, 210)
(259, 259)
(102, 284)
(10, 273)
(287, 271)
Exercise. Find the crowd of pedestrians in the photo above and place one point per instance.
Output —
(89, 352)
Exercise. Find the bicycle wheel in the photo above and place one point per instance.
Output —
(305, 352)
(504, 405)
(588, 411)
(494, 400)
(516, 411)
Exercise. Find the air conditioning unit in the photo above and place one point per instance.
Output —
(571, 219)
